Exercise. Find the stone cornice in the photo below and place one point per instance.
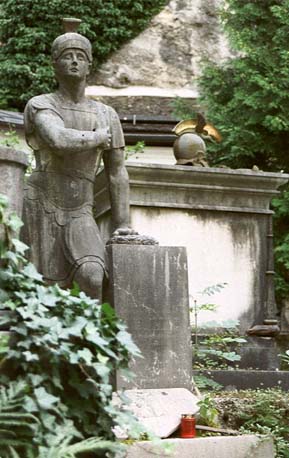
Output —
(199, 188)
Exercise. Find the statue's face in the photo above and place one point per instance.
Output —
(72, 63)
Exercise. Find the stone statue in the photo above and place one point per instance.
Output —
(69, 135)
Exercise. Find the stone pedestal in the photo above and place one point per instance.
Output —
(12, 168)
(13, 164)
(149, 290)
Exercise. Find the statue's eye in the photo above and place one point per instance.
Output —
(67, 56)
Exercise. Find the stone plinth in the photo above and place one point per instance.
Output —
(12, 168)
(221, 216)
(149, 291)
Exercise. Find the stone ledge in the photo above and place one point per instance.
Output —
(200, 188)
(210, 447)
(248, 379)
(8, 154)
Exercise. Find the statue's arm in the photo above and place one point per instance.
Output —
(62, 140)
(118, 181)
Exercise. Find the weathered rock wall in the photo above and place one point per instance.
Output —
(168, 53)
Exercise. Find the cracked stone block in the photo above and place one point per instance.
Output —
(149, 291)
(160, 411)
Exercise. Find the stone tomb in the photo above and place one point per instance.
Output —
(149, 290)
(222, 217)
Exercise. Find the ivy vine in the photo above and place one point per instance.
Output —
(56, 373)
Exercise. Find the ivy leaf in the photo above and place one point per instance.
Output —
(20, 247)
(30, 405)
(108, 311)
(14, 222)
(86, 355)
(92, 335)
(77, 327)
(102, 370)
(46, 297)
(45, 400)
(125, 339)
(31, 272)
(4, 296)
(4, 201)
(30, 357)
(11, 256)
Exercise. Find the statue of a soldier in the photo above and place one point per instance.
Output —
(69, 135)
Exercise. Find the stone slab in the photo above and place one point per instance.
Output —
(248, 379)
(246, 446)
(149, 290)
(160, 411)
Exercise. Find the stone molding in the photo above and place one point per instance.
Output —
(8, 154)
(199, 188)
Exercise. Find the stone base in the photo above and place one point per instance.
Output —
(209, 447)
(248, 379)
(260, 353)
(149, 290)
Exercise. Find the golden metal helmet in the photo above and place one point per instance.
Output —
(190, 148)
(194, 125)
(71, 39)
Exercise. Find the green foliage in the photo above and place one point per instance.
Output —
(138, 148)
(11, 138)
(57, 371)
(218, 351)
(17, 429)
(285, 358)
(205, 383)
(28, 27)
(247, 97)
(257, 412)
(208, 414)
(214, 350)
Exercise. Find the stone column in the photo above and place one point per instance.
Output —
(12, 168)
(13, 164)
(149, 290)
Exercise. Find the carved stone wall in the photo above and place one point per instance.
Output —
(168, 52)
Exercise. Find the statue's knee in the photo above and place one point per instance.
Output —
(89, 277)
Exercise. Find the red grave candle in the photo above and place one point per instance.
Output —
(188, 427)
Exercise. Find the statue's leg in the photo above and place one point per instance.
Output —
(89, 276)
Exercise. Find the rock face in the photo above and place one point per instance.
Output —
(168, 53)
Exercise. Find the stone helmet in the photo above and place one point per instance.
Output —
(70, 39)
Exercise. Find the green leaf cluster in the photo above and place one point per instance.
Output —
(56, 374)
(28, 28)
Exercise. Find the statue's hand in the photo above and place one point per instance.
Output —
(124, 231)
(103, 138)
